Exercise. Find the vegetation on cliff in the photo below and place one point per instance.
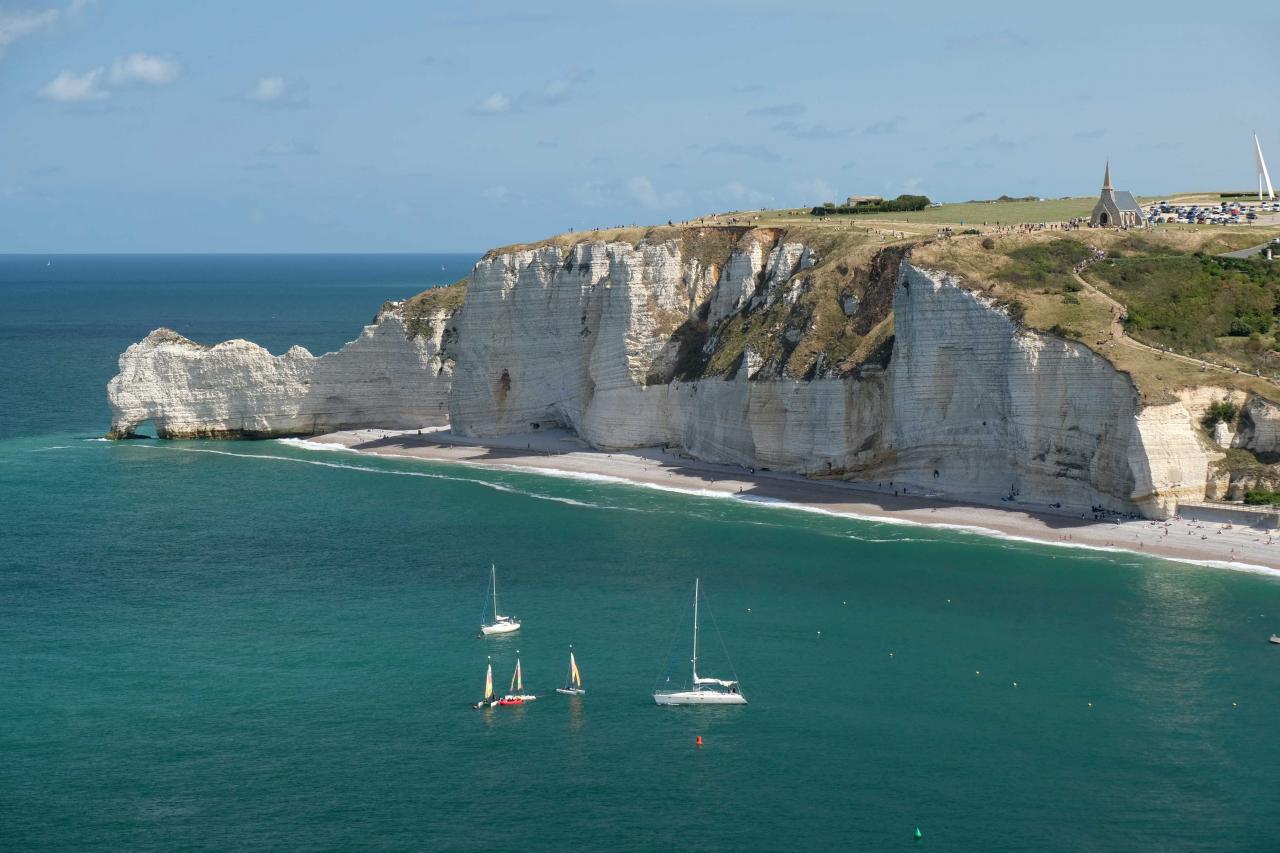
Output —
(421, 311)
(1148, 291)
(832, 319)
(1196, 303)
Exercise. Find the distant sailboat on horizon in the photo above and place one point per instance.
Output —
(573, 680)
(703, 691)
(501, 624)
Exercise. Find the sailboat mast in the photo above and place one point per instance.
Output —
(493, 568)
(696, 581)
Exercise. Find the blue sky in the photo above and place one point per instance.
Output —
(406, 126)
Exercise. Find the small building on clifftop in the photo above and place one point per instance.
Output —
(1115, 209)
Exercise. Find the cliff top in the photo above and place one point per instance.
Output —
(1160, 304)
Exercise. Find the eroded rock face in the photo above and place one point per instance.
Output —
(546, 335)
(970, 405)
(1259, 429)
(982, 407)
(237, 389)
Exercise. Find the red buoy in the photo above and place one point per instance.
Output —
(699, 741)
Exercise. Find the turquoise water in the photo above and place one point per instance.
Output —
(259, 645)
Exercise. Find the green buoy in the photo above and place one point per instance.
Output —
(919, 834)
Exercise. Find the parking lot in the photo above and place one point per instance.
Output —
(1225, 212)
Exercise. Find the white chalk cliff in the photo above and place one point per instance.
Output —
(614, 339)
(237, 389)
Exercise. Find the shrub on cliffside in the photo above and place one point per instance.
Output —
(1220, 411)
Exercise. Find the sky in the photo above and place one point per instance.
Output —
(418, 127)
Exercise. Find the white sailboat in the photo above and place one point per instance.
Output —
(501, 624)
(515, 693)
(487, 701)
(573, 680)
(704, 691)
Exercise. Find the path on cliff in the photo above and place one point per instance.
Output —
(1121, 337)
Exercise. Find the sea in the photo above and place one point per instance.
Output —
(268, 646)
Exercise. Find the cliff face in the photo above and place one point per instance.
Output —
(980, 407)
(755, 350)
(970, 404)
(237, 389)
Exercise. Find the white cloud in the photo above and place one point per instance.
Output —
(267, 89)
(813, 191)
(71, 88)
(495, 104)
(136, 69)
(16, 25)
(742, 194)
(142, 68)
(642, 190)
(552, 92)
(502, 194)
(277, 93)
(555, 91)
(590, 194)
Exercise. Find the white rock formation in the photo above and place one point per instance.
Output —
(1259, 428)
(238, 389)
(971, 406)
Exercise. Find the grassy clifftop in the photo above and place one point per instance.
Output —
(1160, 304)
(421, 311)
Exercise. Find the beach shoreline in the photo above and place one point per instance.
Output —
(561, 453)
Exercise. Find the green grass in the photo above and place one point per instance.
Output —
(991, 212)
(1188, 302)
(1045, 266)
(421, 310)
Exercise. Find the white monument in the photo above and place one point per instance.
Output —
(1263, 178)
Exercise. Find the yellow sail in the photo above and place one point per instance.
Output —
(488, 682)
(575, 677)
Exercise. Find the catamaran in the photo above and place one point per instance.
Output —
(487, 701)
(500, 624)
(573, 680)
(704, 691)
(515, 693)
